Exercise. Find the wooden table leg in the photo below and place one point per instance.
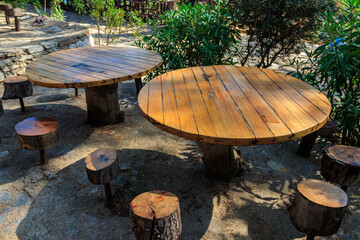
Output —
(138, 84)
(221, 161)
(103, 105)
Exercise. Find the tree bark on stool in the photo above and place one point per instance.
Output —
(38, 134)
(341, 165)
(101, 167)
(138, 84)
(221, 161)
(155, 215)
(103, 105)
(17, 87)
(329, 128)
(318, 208)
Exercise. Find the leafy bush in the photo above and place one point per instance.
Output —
(194, 35)
(335, 67)
(276, 27)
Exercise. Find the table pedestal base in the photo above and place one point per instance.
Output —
(221, 161)
(103, 105)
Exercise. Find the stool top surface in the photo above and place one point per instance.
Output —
(346, 154)
(16, 79)
(91, 66)
(323, 193)
(162, 203)
(100, 159)
(36, 126)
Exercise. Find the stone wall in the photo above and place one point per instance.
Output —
(18, 50)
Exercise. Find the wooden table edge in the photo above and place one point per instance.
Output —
(237, 142)
(93, 83)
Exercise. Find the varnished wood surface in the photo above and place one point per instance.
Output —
(345, 154)
(16, 79)
(100, 159)
(91, 66)
(323, 193)
(36, 126)
(233, 105)
(158, 203)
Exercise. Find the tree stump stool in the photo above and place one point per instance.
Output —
(4, 7)
(307, 142)
(155, 215)
(318, 208)
(16, 13)
(38, 134)
(102, 167)
(17, 87)
(341, 165)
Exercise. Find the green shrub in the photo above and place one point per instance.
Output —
(276, 27)
(194, 35)
(335, 67)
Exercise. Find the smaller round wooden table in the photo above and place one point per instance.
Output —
(221, 106)
(98, 70)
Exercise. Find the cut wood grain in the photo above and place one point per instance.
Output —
(341, 165)
(232, 105)
(318, 208)
(155, 215)
(38, 134)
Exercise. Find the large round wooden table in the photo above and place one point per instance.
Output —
(98, 70)
(222, 106)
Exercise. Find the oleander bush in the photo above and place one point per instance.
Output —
(276, 27)
(193, 35)
(335, 67)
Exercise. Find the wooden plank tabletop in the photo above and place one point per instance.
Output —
(233, 105)
(91, 66)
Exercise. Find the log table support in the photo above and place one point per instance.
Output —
(103, 105)
(76, 92)
(138, 84)
(221, 161)
(1, 108)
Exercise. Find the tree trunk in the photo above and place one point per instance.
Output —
(103, 105)
(155, 215)
(17, 87)
(1, 108)
(341, 165)
(138, 84)
(221, 161)
(318, 208)
(306, 144)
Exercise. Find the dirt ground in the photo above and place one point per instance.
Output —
(57, 201)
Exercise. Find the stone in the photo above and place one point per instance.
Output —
(4, 196)
(22, 200)
(25, 58)
(53, 29)
(4, 154)
(49, 45)
(275, 166)
(67, 41)
(33, 49)
(2, 76)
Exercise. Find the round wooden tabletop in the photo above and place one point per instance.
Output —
(232, 105)
(91, 66)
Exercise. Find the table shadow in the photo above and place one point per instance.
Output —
(73, 131)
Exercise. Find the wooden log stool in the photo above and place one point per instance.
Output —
(16, 13)
(38, 134)
(4, 7)
(341, 165)
(307, 142)
(318, 208)
(17, 87)
(155, 215)
(102, 167)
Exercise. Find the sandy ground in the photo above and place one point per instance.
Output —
(58, 202)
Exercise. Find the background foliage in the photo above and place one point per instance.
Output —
(194, 35)
(276, 27)
(335, 67)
